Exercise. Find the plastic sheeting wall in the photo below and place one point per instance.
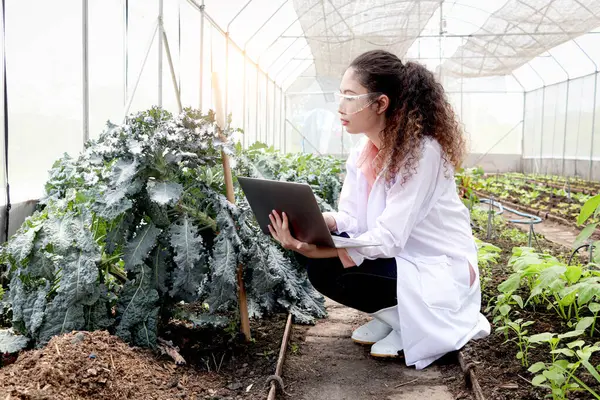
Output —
(561, 134)
(44, 56)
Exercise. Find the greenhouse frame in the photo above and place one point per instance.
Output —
(522, 75)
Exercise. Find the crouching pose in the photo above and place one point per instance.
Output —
(421, 283)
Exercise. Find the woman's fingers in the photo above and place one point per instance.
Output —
(273, 222)
(284, 223)
(277, 218)
(274, 234)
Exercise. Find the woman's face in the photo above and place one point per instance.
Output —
(359, 114)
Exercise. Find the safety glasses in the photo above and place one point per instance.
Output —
(354, 103)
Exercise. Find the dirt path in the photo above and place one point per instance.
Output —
(553, 231)
(328, 365)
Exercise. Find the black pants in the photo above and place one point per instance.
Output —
(369, 287)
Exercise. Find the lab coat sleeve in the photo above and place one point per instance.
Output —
(406, 205)
(345, 217)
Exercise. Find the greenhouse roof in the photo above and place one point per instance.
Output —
(465, 38)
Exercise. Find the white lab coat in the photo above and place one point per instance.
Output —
(426, 227)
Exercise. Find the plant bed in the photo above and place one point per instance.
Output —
(499, 363)
(97, 365)
(546, 199)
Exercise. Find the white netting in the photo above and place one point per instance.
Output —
(520, 31)
(339, 30)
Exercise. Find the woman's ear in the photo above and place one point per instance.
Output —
(383, 102)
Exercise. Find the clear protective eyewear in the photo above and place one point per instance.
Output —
(350, 104)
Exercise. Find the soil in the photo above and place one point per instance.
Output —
(86, 365)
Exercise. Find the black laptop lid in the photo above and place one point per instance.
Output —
(296, 200)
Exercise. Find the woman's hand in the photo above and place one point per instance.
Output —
(330, 221)
(280, 231)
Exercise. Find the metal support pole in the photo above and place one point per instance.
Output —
(245, 83)
(523, 133)
(281, 121)
(565, 130)
(542, 128)
(267, 109)
(160, 52)
(593, 125)
(440, 38)
(285, 124)
(86, 71)
(490, 219)
(172, 69)
(125, 51)
(226, 83)
(201, 54)
(274, 111)
(256, 114)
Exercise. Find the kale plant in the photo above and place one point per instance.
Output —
(138, 223)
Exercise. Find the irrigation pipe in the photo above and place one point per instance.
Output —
(468, 368)
(276, 378)
(529, 219)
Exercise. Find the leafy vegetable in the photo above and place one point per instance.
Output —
(139, 222)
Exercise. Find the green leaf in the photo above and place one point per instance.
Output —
(21, 244)
(573, 273)
(538, 366)
(591, 370)
(554, 375)
(541, 337)
(140, 246)
(519, 355)
(571, 334)
(164, 193)
(566, 352)
(123, 172)
(518, 299)
(511, 284)
(10, 342)
(538, 380)
(584, 235)
(588, 209)
(137, 310)
(584, 323)
(504, 309)
(190, 259)
(588, 292)
(594, 307)
(577, 343)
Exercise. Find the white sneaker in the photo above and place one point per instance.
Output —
(388, 347)
(371, 332)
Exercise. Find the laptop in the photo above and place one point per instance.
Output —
(298, 201)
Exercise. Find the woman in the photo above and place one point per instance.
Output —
(421, 285)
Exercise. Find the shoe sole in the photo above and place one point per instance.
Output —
(387, 355)
(362, 342)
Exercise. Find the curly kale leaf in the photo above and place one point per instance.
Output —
(189, 258)
(140, 246)
(137, 310)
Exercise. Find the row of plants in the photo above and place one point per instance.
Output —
(520, 189)
(548, 309)
(139, 223)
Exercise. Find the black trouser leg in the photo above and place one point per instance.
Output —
(369, 287)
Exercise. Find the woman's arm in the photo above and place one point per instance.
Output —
(406, 205)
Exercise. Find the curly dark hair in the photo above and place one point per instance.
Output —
(418, 108)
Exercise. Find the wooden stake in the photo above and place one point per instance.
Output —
(221, 122)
